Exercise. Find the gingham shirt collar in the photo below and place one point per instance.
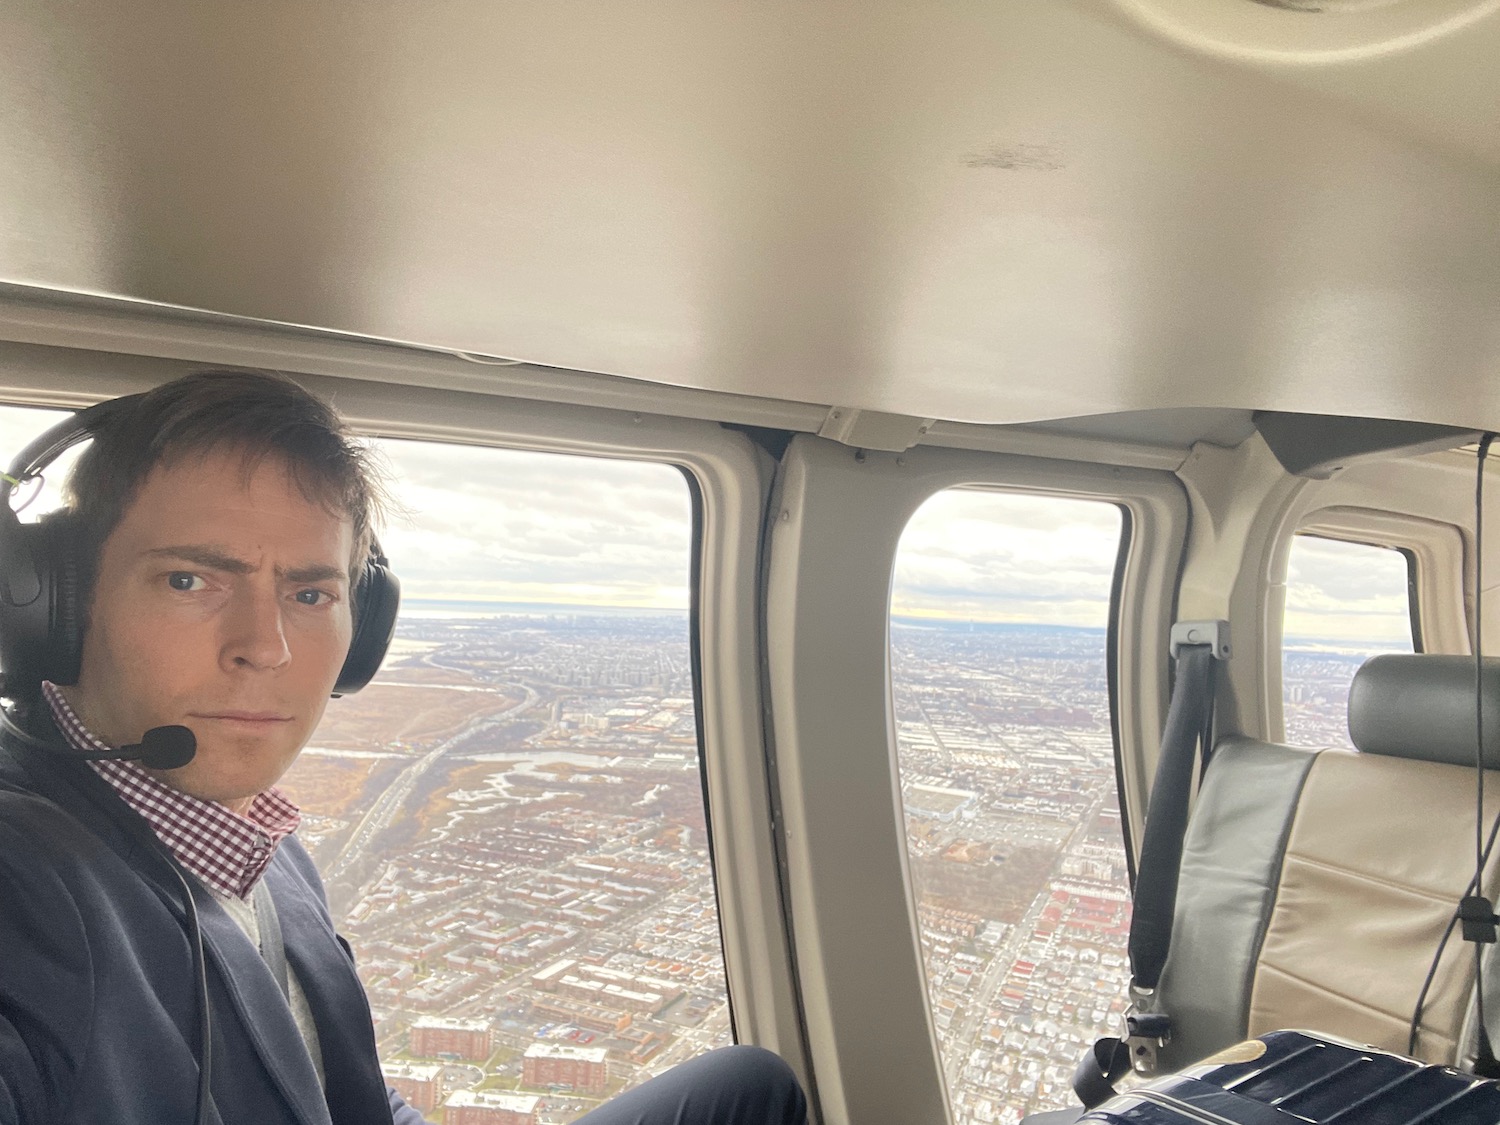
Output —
(227, 851)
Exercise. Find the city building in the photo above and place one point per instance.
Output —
(595, 1017)
(555, 1064)
(547, 979)
(419, 1084)
(432, 1036)
(485, 1107)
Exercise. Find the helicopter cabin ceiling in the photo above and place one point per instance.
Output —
(990, 211)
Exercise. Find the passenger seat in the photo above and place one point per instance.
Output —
(1316, 885)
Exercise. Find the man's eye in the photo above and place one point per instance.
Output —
(183, 580)
(311, 597)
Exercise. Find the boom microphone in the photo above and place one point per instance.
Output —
(162, 748)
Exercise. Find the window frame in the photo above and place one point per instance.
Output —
(729, 480)
(1120, 558)
(1435, 554)
(840, 514)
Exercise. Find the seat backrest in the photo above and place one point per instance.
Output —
(1316, 885)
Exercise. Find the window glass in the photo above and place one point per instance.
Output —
(509, 819)
(999, 615)
(18, 426)
(1345, 602)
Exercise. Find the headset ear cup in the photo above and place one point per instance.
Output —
(41, 595)
(64, 554)
(377, 599)
(25, 598)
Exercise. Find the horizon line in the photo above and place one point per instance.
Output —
(903, 618)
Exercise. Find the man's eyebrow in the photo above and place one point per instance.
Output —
(203, 556)
(316, 572)
(216, 559)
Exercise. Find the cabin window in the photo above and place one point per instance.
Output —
(18, 426)
(509, 819)
(999, 630)
(1345, 602)
(544, 873)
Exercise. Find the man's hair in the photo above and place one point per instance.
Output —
(256, 414)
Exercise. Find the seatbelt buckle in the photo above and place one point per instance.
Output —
(1147, 1031)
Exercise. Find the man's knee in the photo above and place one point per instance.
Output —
(759, 1075)
(757, 1065)
(731, 1086)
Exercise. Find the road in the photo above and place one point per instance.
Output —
(959, 1042)
(386, 806)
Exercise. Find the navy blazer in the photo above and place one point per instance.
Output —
(98, 997)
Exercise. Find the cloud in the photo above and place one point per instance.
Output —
(1346, 592)
(988, 556)
(511, 525)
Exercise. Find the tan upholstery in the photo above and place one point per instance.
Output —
(1380, 851)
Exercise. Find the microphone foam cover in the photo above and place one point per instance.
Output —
(168, 748)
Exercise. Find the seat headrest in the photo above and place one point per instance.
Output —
(1422, 706)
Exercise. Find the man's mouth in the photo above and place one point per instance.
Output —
(244, 718)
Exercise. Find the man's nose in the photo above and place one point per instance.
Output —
(254, 633)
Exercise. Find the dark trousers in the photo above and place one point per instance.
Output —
(730, 1086)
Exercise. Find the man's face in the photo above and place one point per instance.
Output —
(222, 604)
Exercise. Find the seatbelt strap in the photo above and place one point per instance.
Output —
(272, 951)
(1196, 647)
(1167, 816)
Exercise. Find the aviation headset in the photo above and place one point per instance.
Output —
(43, 582)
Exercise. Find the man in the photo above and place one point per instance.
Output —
(221, 523)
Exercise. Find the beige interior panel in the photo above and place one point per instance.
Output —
(1378, 857)
(974, 210)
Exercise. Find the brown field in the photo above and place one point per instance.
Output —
(419, 673)
(1002, 891)
(421, 716)
(335, 787)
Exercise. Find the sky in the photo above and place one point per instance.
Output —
(1346, 592)
(506, 526)
(989, 556)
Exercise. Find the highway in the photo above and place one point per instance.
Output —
(961, 1040)
(386, 806)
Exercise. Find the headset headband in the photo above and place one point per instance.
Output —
(54, 442)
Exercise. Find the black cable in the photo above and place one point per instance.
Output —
(1416, 1019)
(1484, 451)
(1485, 1062)
(1484, 848)
(205, 1020)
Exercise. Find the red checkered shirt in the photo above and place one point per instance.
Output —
(227, 851)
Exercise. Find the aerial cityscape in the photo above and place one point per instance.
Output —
(1316, 679)
(1013, 829)
(510, 826)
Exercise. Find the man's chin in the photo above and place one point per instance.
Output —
(235, 791)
